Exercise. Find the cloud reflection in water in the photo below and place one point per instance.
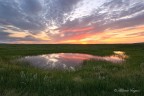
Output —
(70, 60)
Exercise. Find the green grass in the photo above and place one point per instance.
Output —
(92, 79)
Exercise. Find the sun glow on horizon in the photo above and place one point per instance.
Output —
(71, 21)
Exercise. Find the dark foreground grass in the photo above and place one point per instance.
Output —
(92, 79)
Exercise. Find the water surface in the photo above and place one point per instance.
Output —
(70, 60)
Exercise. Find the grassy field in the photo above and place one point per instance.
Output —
(92, 79)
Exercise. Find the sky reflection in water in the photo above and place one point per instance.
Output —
(70, 60)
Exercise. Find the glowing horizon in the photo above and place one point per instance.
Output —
(71, 22)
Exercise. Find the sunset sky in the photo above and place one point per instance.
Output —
(71, 21)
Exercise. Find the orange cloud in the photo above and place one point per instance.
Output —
(124, 35)
(86, 36)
